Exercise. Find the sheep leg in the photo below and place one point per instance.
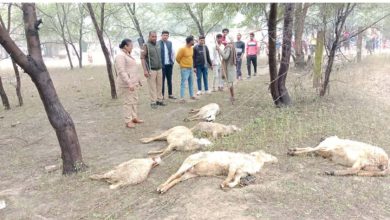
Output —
(186, 176)
(182, 170)
(229, 178)
(215, 134)
(236, 181)
(374, 173)
(303, 150)
(116, 185)
(357, 166)
(167, 150)
(195, 110)
(193, 118)
(160, 137)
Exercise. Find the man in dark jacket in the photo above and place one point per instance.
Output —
(201, 61)
(151, 63)
(240, 50)
(167, 60)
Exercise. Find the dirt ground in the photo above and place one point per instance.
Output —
(357, 107)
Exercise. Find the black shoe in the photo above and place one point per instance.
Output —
(160, 103)
(153, 105)
(172, 97)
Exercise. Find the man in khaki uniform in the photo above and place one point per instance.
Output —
(128, 82)
(151, 63)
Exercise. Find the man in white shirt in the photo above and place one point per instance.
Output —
(217, 67)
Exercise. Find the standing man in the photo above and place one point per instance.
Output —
(201, 59)
(229, 57)
(240, 50)
(184, 58)
(252, 49)
(167, 59)
(151, 63)
(217, 65)
(225, 32)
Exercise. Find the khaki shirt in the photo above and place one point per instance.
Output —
(126, 68)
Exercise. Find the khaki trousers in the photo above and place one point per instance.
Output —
(155, 85)
(130, 101)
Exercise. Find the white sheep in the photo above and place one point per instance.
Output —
(219, 163)
(363, 159)
(179, 138)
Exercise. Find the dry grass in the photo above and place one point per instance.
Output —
(356, 108)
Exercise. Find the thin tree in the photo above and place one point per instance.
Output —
(80, 27)
(131, 10)
(14, 65)
(3, 94)
(341, 15)
(99, 32)
(278, 84)
(286, 52)
(4, 97)
(300, 15)
(272, 62)
(35, 67)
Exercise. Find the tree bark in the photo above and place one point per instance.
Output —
(317, 76)
(99, 32)
(359, 45)
(272, 62)
(18, 83)
(4, 97)
(286, 53)
(300, 15)
(34, 66)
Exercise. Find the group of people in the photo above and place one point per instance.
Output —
(158, 58)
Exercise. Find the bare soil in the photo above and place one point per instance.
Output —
(357, 107)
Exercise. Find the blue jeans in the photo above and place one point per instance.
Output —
(201, 70)
(186, 75)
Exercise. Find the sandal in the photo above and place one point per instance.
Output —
(130, 125)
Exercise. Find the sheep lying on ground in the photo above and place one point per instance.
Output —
(206, 113)
(219, 163)
(179, 138)
(128, 173)
(215, 129)
(363, 159)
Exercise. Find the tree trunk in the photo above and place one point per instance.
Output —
(198, 23)
(300, 15)
(134, 19)
(62, 21)
(4, 97)
(272, 62)
(317, 76)
(81, 36)
(18, 83)
(67, 52)
(34, 66)
(359, 45)
(341, 16)
(16, 70)
(286, 53)
(99, 32)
